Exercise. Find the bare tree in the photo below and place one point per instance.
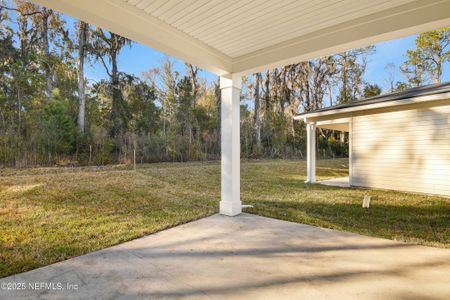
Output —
(164, 80)
(192, 73)
(44, 31)
(257, 124)
(390, 76)
(218, 96)
(83, 37)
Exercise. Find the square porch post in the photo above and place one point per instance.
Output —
(311, 152)
(230, 203)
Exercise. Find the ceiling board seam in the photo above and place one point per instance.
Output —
(316, 26)
(211, 16)
(223, 14)
(254, 18)
(315, 35)
(191, 8)
(286, 22)
(248, 31)
(163, 10)
(221, 17)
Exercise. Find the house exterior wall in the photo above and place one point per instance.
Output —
(406, 150)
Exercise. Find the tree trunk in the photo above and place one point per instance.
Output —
(82, 41)
(24, 51)
(115, 109)
(218, 95)
(344, 93)
(267, 106)
(330, 92)
(257, 125)
(194, 71)
(438, 71)
(46, 53)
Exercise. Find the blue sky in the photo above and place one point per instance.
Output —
(140, 58)
(134, 60)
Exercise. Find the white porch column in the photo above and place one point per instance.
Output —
(230, 203)
(311, 152)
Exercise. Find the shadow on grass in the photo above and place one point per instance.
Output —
(427, 225)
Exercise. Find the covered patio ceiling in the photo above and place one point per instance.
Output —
(242, 36)
(235, 37)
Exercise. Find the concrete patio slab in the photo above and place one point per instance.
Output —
(340, 182)
(246, 257)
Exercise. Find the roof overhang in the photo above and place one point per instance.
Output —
(336, 124)
(396, 105)
(143, 22)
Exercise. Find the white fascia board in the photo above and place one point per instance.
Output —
(411, 18)
(338, 127)
(368, 107)
(342, 124)
(334, 121)
(124, 19)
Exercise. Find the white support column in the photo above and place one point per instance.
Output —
(230, 203)
(311, 152)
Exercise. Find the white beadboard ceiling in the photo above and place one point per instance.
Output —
(242, 36)
(239, 27)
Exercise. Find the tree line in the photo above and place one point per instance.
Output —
(50, 113)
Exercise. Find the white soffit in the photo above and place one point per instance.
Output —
(239, 27)
(238, 36)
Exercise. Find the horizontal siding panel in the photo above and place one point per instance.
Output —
(413, 119)
(416, 145)
(383, 181)
(408, 113)
(388, 172)
(405, 173)
(404, 138)
(398, 149)
(438, 152)
(409, 138)
(403, 150)
(441, 118)
(366, 163)
(393, 173)
(414, 189)
(438, 155)
(404, 128)
(405, 185)
(439, 112)
(413, 181)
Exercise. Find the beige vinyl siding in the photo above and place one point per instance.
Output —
(403, 150)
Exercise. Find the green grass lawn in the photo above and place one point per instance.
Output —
(51, 214)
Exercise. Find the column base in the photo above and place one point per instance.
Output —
(309, 181)
(230, 209)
